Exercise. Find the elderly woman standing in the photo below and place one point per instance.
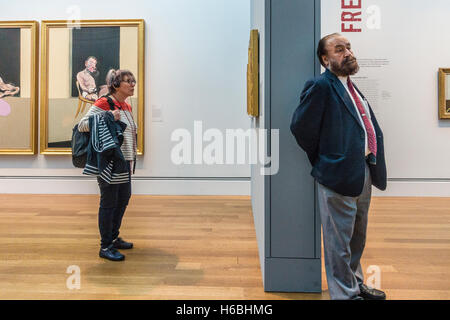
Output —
(114, 197)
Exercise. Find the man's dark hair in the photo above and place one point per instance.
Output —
(321, 51)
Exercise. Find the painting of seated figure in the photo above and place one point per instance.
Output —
(75, 61)
(87, 80)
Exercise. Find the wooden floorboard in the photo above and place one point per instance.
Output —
(200, 248)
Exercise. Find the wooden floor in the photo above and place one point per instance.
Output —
(199, 248)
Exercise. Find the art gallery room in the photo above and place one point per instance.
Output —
(207, 108)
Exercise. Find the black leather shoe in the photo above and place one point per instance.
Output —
(357, 298)
(371, 294)
(111, 254)
(119, 243)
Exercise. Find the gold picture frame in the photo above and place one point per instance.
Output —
(444, 93)
(66, 46)
(19, 45)
(253, 75)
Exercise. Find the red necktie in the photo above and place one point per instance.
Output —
(372, 140)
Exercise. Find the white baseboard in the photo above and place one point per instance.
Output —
(414, 188)
(52, 185)
(197, 186)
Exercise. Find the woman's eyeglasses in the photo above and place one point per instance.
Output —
(130, 81)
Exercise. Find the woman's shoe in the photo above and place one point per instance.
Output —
(112, 254)
(119, 243)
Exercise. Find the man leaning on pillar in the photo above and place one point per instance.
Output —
(336, 127)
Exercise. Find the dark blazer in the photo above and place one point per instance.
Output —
(327, 127)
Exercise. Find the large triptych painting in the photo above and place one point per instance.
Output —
(18, 87)
(75, 60)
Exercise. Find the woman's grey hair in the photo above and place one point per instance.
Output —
(115, 77)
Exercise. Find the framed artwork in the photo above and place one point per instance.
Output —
(444, 93)
(253, 75)
(76, 57)
(18, 87)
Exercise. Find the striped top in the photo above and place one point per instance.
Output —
(129, 145)
(105, 135)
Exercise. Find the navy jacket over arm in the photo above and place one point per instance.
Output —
(327, 127)
(104, 156)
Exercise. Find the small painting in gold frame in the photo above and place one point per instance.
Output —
(18, 87)
(253, 75)
(444, 93)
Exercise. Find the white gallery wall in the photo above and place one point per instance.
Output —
(196, 57)
(195, 70)
(401, 46)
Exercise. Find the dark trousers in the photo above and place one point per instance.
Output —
(114, 199)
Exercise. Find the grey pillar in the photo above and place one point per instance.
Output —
(287, 224)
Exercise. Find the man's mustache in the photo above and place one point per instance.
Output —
(349, 60)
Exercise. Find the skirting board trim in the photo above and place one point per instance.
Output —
(415, 188)
(70, 185)
(198, 186)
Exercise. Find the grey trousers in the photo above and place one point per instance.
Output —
(344, 225)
